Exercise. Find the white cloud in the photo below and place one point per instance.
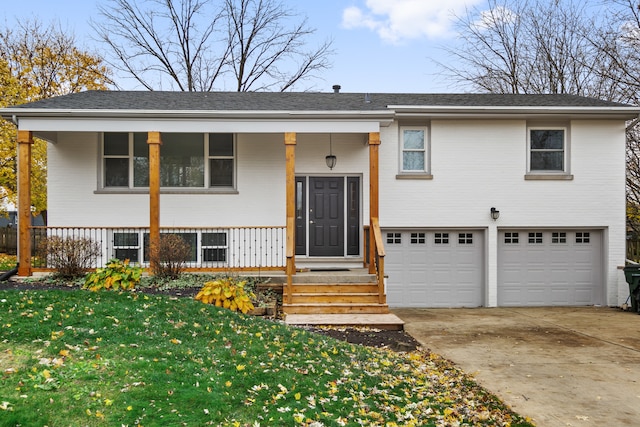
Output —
(496, 17)
(396, 21)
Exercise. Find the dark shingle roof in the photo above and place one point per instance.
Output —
(298, 101)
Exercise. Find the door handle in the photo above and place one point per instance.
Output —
(311, 222)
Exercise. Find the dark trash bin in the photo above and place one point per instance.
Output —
(632, 275)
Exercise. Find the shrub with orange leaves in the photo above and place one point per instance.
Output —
(226, 293)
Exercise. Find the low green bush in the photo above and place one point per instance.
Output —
(117, 275)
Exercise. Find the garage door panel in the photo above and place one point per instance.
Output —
(441, 272)
(565, 269)
(559, 296)
(584, 295)
(535, 295)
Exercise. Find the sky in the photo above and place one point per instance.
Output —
(379, 45)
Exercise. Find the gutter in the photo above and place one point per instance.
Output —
(452, 112)
(195, 114)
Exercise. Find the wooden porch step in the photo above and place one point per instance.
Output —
(388, 321)
(334, 278)
(335, 308)
(334, 297)
(334, 288)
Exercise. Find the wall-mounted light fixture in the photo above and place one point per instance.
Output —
(331, 159)
(495, 214)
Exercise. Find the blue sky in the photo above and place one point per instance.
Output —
(380, 45)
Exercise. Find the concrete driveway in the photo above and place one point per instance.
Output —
(558, 366)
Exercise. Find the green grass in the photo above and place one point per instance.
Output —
(108, 359)
(7, 262)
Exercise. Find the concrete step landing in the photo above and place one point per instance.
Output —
(388, 321)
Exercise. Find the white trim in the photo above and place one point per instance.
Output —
(522, 109)
(425, 150)
(81, 124)
(206, 188)
(566, 151)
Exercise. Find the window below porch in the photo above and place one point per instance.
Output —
(207, 248)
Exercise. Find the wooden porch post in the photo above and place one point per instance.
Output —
(154, 141)
(290, 156)
(25, 144)
(374, 143)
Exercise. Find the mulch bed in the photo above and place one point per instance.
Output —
(380, 338)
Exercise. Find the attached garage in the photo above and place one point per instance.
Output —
(550, 267)
(434, 268)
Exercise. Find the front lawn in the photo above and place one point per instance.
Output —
(130, 359)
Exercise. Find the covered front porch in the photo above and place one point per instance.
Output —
(238, 248)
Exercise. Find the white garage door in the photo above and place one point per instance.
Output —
(440, 268)
(550, 267)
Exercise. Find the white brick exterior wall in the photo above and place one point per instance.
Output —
(476, 164)
(479, 164)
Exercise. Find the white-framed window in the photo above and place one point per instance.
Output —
(394, 238)
(583, 237)
(511, 238)
(418, 238)
(214, 247)
(207, 247)
(187, 161)
(414, 147)
(441, 238)
(465, 238)
(547, 150)
(535, 238)
(559, 237)
(126, 245)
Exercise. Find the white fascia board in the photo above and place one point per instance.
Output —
(196, 126)
(198, 121)
(457, 111)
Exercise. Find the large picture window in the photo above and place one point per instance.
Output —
(187, 160)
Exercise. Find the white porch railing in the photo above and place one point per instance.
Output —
(212, 248)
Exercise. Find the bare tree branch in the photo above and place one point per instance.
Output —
(195, 44)
(548, 46)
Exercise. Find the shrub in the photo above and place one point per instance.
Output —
(70, 257)
(226, 292)
(170, 257)
(117, 275)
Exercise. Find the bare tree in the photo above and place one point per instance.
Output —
(167, 38)
(551, 46)
(619, 43)
(263, 49)
(530, 46)
(618, 46)
(198, 44)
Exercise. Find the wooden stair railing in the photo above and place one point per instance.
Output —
(291, 264)
(379, 259)
(339, 293)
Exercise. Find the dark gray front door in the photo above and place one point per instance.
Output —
(326, 216)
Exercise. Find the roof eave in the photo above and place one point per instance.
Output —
(617, 112)
(9, 113)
